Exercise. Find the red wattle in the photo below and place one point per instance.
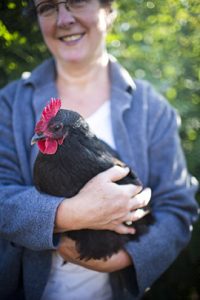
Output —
(48, 146)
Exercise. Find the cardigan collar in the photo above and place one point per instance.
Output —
(45, 75)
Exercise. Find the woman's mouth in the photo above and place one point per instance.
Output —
(72, 38)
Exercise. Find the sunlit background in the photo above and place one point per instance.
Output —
(157, 41)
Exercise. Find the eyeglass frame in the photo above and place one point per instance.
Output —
(67, 6)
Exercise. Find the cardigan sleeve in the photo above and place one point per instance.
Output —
(26, 216)
(173, 203)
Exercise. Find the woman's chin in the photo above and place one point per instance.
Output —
(75, 58)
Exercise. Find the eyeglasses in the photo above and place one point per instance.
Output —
(46, 9)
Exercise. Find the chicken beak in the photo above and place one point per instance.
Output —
(37, 138)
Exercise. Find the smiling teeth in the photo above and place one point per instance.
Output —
(72, 37)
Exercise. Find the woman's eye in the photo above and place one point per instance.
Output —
(45, 8)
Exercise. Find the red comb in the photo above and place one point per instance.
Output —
(48, 112)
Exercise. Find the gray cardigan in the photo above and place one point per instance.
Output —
(145, 133)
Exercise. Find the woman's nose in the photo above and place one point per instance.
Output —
(64, 16)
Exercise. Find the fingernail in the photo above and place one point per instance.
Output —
(128, 223)
(139, 213)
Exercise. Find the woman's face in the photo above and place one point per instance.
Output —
(77, 36)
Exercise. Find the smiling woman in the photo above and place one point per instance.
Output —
(128, 115)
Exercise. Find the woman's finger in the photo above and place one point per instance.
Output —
(123, 229)
(131, 189)
(115, 173)
(135, 215)
(140, 200)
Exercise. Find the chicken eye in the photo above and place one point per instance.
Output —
(57, 127)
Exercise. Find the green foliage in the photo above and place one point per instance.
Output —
(21, 44)
(156, 41)
(159, 41)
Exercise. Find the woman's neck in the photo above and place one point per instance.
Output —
(81, 74)
(84, 88)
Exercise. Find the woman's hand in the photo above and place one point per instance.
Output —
(116, 262)
(103, 204)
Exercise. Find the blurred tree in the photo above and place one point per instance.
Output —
(159, 41)
(155, 40)
(21, 45)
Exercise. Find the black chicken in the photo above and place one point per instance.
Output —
(70, 155)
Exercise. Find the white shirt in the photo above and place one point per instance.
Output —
(100, 124)
(70, 281)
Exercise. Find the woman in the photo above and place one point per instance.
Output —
(133, 119)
